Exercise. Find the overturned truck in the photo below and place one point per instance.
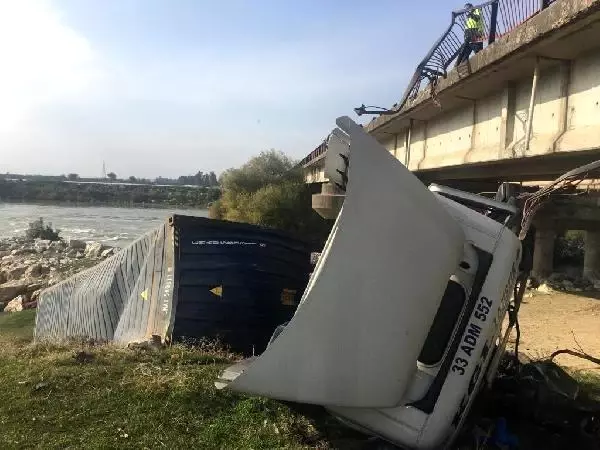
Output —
(190, 278)
(401, 323)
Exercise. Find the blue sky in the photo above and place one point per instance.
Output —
(170, 87)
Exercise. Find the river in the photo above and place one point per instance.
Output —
(112, 226)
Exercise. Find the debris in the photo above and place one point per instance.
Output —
(11, 289)
(41, 385)
(15, 305)
(94, 249)
(83, 357)
(36, 270)
(108, 252)
(544, 289)
(77, 244)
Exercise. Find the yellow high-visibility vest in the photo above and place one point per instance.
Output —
(474, 21)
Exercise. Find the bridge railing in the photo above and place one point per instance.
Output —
(315, 154)
(499, 17)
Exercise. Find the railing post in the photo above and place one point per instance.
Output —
(494, 23)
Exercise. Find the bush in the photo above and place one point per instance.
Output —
(37, 230)
(269, 190)
(569, 249)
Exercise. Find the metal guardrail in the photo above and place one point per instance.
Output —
(499, 18)
(316, 153)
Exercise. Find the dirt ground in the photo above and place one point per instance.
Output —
(556, 321)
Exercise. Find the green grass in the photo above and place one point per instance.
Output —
(119, 398)
(590, 382)
(17, 328)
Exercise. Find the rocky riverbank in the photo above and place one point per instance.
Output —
(29, 266)
(563, 282)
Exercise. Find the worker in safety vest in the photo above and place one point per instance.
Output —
(474, 32)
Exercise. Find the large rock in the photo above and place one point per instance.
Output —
(77, 244)
(16, 304)
(108, 252)
(15, 273)
(41, 245)
(22, 251)
(60, 246)
(35, 295)
(11, 289)
(55, 277)
(35, 285)
(94, 249)
(36, 270)
(544, 289)
(567, 285)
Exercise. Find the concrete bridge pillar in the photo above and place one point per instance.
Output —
(591, 259)
(329, 202)
(543, 253)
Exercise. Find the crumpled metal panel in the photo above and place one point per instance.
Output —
(126, 298)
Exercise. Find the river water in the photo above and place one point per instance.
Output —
(112, 226)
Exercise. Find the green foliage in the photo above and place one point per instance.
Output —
(136, 398)
(267, 168)
(569, 248)
(72, 177)
(38, 230)
(111, 176)
(106, 194)
(269, 190)
(17, 327)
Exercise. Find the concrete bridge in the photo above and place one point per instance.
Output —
(525, 109)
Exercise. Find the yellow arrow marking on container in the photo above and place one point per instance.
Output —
(217, 291)
(144, 294)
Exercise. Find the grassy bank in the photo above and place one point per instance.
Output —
(59, 397)
(103, 397)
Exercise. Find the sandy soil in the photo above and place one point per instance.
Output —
(557, 321)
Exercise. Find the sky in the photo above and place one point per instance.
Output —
(169, 87)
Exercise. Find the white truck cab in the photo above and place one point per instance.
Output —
(400, 323)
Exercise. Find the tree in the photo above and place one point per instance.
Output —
(111, 176)
(268, 167)
(72, 177)
(269, 190)
(132, 179)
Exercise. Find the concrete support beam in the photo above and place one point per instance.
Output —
(507, 118)
(543, 253)
(329, 202)
(563, 102)
(591, 260)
